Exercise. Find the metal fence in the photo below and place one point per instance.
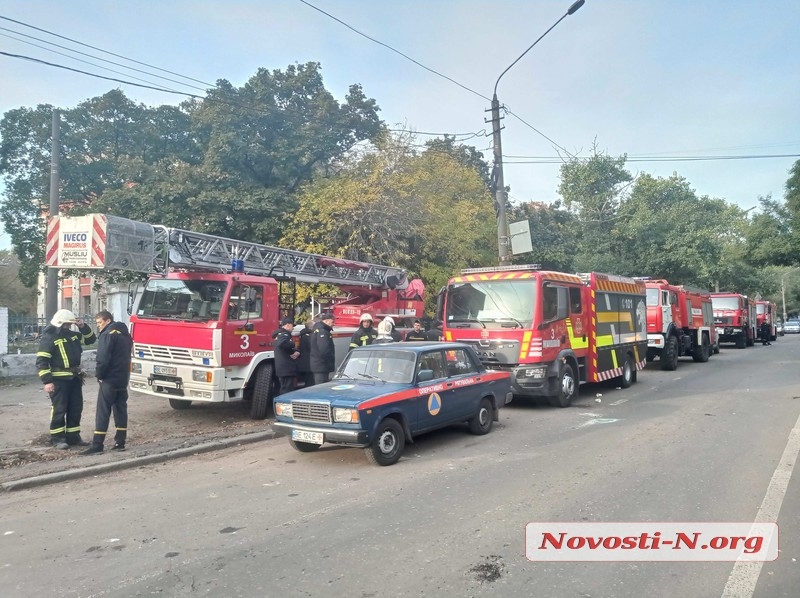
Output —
(25, 328)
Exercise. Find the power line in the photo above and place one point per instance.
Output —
(387, 46)
(105, 51)
(556, 160)
(79, 59)
(396, 51)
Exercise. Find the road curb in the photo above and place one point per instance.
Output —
(82, 472)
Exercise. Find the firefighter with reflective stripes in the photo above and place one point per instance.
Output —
(58, 365)
(365, 333)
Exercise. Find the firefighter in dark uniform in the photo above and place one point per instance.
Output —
(416, 333)
(766, 333)
(286, 355)
(365, 333)
(323, 351)
(113, 371)
(58, 365)
(304, 361)
(435, 333)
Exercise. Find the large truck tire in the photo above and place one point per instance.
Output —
(669, 355)
(703, 352)
(262, 394)
(567, 388)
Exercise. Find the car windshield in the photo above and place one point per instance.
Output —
(182, 299)
(378, 364)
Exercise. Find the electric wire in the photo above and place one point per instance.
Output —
(105, 68)
(388, 47)
(105, 51)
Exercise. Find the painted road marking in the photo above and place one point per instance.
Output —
(744, 576)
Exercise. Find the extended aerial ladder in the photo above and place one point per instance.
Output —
(106, 242)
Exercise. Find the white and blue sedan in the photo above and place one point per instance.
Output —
(383, 396)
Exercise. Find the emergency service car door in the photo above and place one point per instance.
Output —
(452, 395)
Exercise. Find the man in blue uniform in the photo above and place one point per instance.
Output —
(113, 372)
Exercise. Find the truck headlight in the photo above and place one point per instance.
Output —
(202, 376)
(136, 368)
(284, 409)
(537, 373)
(342, 415)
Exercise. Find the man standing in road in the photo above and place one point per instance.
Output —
(113, 371)
(323, 351)
(435, 333)
(365, 333)
(58, 365)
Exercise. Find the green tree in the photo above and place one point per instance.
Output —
(19, 299)
(427, 213)
(553, 235)
(594, 190)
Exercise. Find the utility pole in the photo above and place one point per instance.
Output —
(500, 195)
(51, 287)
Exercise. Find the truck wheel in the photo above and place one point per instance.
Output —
(669, 356)
(567, 388)
(303, 447)
(751, 341)
(703, 352)
(179, 404)
(388, 444)
(628, 376)
(482, 422)
(261, 392)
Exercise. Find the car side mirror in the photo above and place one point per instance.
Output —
(425, 375)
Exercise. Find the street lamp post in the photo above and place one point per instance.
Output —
(503, 240)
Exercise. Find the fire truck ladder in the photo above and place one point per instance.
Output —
(183, 249)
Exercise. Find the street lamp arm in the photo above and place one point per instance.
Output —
(571, 11)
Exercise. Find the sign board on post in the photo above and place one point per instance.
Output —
(520, 233)
(100, 242)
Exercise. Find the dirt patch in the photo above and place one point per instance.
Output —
(153, 426)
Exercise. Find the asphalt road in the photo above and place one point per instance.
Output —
(708, 443)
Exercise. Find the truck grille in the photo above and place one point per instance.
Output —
(157, 353)
(725, 320)
(311, 412)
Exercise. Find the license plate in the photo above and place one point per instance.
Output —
(165, 369)
(304, 436)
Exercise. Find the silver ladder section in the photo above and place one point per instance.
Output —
(188, 250)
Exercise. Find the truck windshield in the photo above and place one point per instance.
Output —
(182, 299)
(761, 309)
(511, 301)
(725, 302)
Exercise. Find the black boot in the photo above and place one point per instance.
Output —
(93, 450)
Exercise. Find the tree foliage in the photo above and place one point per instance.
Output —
(428, 213)
(19, 299)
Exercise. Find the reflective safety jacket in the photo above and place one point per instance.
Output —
(363, 337)
(59, 354)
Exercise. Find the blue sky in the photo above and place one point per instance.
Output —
(677, 78)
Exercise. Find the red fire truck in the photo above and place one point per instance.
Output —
(767, 311)
(735, 318)
(680, 322)
(202, 325)
(552, 330)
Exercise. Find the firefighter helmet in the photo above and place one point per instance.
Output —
(63, 316)
(364, 317)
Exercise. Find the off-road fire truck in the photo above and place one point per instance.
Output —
(680, 321)
(552, 330)
(767, 311)
(735, 318)
(202, 325)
